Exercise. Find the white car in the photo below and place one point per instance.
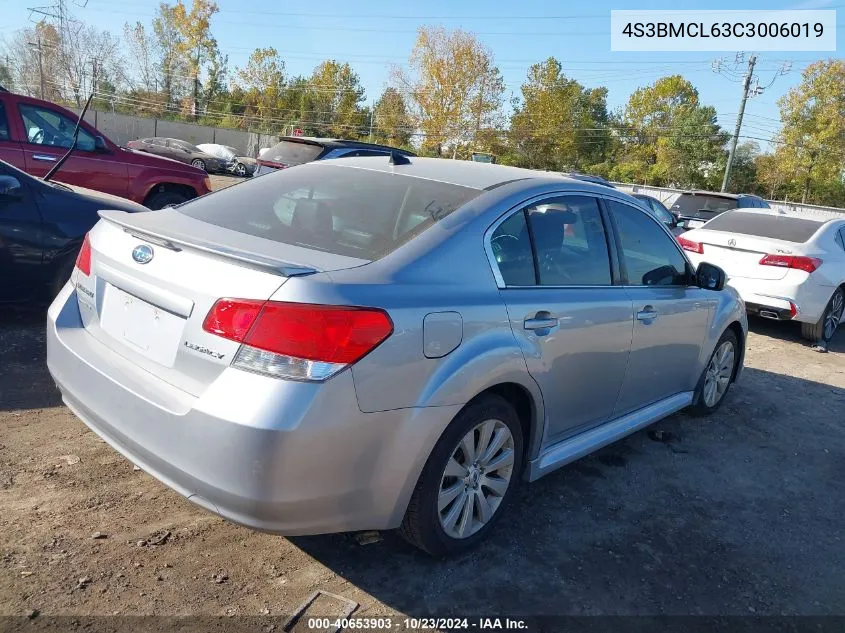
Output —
(236, 164)
(785, 265)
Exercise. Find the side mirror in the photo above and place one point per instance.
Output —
(10, 187)
(100, 145)
(710, 277)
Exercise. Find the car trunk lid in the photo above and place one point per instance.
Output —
(739, 255)
(154, 276)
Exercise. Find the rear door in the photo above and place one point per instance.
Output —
(49, 135)
(10, 148)
(671, 316)
(572, 322)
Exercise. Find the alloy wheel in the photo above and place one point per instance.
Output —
(718, 375)
(834, 315)
(476, 478)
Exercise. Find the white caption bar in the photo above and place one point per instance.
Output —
(722, 30)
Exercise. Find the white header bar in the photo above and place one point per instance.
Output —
(722, 30)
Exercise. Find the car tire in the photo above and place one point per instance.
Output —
(711, 390)
(442, 501)
(825, 327)
(198, 163)
(162, 199)
(240, 170)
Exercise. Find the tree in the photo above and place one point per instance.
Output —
(559, 124)
(144, 55)
(336, 97)
(454, 86)
(6, 77)
(31, 75)
(811, 145)
(171, 64)
(667, 137)
(196, 42)
(392, 124)
(263, 83)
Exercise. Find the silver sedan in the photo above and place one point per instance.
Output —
(376, 343)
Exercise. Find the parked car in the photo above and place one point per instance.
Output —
(235, 162)
(785, 266)
(297, 150)
(409, 353)
(589, 178)
(659, 211)
(42, 225)
(35, 134)
(182, 151)
(694, 208)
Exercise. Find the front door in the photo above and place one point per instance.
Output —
(49, 135)
(21, 238)
(572, 322)
(671, 316)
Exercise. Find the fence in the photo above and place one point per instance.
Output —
(667, 196)
(122, 128)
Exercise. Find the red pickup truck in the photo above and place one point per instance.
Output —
(35, 134)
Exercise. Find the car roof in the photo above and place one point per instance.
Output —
(463, 173)
(822, 216)
(339, 142)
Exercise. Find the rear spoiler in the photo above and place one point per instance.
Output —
(253, 260)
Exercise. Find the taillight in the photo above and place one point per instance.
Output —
(689, 245)
(83, 260)
(297, 340)
(798, 262)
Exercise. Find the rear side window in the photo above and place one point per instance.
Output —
(568, 240)
(4, 124)
(341, 210)
(650, 256)
(291, 153)
(775, 227)
(840, 238)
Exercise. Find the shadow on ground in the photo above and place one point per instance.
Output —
(791, 331)
(739, 513)
(26, 383)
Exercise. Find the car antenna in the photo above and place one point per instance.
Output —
(62, 160)
(398, 159)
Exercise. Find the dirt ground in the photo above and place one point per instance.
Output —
(740, 514)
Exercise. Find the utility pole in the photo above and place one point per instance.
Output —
(372, 116)
(39, 47)
(746, 85)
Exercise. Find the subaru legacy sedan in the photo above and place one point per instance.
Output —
(385, 342)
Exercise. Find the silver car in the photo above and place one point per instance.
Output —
(376, 343)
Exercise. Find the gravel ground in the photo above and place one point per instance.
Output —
(739, 514)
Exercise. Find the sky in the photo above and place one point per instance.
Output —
(375, 35)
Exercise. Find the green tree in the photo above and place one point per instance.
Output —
(262, 82)
(336, 98)
(392, 122)
(811, 145)
(668, 138)
(559, 124)
(171, 65)
(196, 43)
(454, 87)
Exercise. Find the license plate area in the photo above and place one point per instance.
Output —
(141, 326)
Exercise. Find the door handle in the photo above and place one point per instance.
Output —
(44, 157)
(541, 321)
(648, 313)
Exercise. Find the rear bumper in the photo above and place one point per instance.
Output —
(778, 296)
(278, 456)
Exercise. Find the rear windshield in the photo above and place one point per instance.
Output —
(340, 210)
(688, 204)
(291, 153)
(775, 227)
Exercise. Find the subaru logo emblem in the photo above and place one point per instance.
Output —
(142, 254)
(731, 242)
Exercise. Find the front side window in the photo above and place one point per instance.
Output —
(47, 127)
(649, 255)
